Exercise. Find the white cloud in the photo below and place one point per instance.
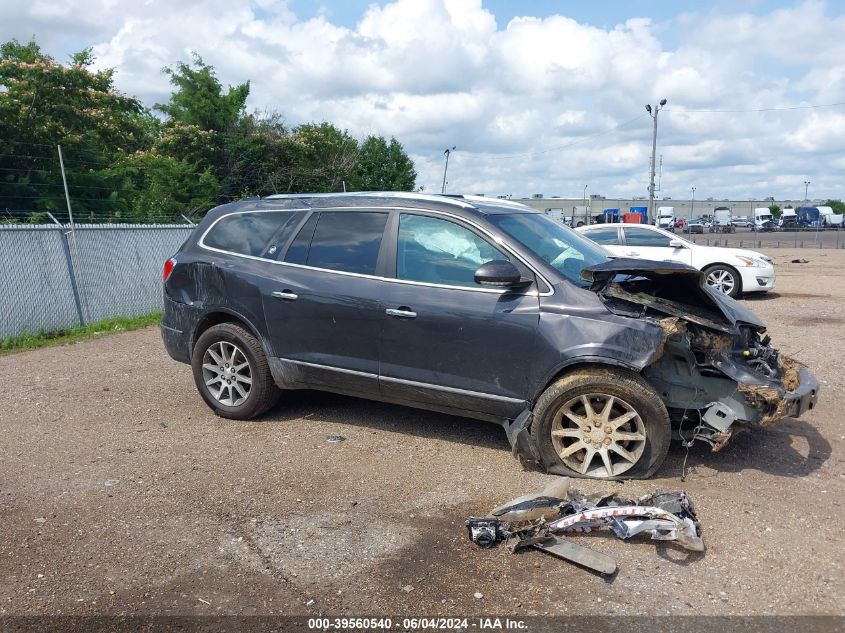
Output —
(538, 105)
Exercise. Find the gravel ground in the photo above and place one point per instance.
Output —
(122, 494)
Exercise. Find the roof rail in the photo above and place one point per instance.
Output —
(408, 195)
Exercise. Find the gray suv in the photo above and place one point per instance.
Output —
(475, 307)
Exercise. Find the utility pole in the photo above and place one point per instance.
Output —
(586, 213)
(653, 114)
(446, 153)
(806, 186)
(692, 207)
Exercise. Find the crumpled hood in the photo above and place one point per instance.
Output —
(603, 275)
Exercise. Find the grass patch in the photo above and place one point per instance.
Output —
(34, 340)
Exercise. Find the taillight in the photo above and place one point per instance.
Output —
(168, 268)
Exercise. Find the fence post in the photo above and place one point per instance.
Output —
(72, 274)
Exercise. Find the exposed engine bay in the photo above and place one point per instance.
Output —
(716, 371)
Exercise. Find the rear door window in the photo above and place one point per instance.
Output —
(608, 235)
(347, 241)
(247, 233)
(644, 237)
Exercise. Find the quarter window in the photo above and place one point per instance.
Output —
(247, 233)
(440, 252)
(644, 237)
(607, 235)
(347, 241)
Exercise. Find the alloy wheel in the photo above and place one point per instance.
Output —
(227, 374)
(598, 435)
(722, 280)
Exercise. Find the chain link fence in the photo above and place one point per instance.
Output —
(55, 278)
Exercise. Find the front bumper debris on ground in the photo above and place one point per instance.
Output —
(541, 521)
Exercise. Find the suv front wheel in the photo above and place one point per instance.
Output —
(232, 374)
(603, 424)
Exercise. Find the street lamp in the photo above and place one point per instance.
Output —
(652, 112)
(806, 186)
(446, 153)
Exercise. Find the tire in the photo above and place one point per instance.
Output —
(557, 436)
(250, 390)
(724, 278)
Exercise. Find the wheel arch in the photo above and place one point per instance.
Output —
(216, 316)
(577, 364)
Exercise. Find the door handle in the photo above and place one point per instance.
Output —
(287, 295)
(402, 313)
(633, 253)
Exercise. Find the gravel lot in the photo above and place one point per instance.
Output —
(122, 494)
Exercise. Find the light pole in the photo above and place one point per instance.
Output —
(586, 213)
(691, 208)
(653, 114)
(806, 186)
(446, 153)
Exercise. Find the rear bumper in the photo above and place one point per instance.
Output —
(175, 330)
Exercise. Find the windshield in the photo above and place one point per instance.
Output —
(557, 245)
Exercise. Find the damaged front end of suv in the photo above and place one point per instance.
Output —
(715, 371)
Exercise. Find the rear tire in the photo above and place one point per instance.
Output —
(624, 434)
(232, 374)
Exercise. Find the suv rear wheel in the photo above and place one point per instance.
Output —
(602, 424)
(232, 374)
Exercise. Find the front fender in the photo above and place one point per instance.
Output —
(606, 340)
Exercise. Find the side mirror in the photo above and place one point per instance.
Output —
(499, 273)
(676, 244)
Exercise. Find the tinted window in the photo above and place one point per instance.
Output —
(608, 235)
(644, 237)
(347, 241)
(246, 233)
(298, 250)
(277, 243)
(441, 252)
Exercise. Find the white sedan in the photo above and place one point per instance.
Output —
(729, 270)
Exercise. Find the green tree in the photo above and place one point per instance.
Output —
(44, 104)
(383, 166)
(322, 159)
(199, 98)
(257, 154)
(775, 210)
(163, 187)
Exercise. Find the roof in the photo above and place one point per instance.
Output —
(482, 204)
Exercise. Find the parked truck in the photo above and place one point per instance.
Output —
(808, 217)
(788, 219)
(665, 218)
(830, 219)
(763, 219)
(722, 220)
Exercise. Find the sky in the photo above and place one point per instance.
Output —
(536, 96)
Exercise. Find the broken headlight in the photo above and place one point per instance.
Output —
(485, 532)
